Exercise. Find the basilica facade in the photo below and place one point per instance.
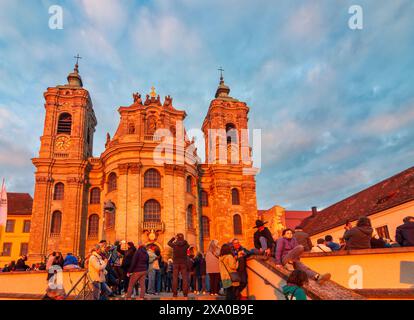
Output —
(149, 184)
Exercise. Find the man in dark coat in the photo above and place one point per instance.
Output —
(303, 238)
(179, 246)
(405, 232)
(138, 271)
(263, 239)
(360, 236)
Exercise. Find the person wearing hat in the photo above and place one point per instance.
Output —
(263, 240)
(405, 232)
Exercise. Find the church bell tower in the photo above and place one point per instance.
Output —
(61, 177)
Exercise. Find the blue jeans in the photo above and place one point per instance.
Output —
(158, 280)
(151, 281)
(96, 290)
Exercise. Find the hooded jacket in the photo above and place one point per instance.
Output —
(303, 239)
(179, 250)
(358, 238)
(405, 234)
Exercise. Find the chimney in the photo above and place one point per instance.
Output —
(314, 211)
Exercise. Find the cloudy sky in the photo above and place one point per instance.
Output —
(335, 105)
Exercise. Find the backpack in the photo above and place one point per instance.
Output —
(290, 296)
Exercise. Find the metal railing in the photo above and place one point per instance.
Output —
(82, 289)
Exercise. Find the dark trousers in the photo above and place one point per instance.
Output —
(180, 268)
(231, 293)
(168, 282)
(201, 280)
(214, 282)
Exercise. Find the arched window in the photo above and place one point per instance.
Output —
(95, 196)
(93, 226)
(64, 124)
(237, 224)
(109, 211)
(235, 198)
(56, 223)
(152, 211)
(190, 220)
(59, 192)
(231, 133)
(112, 182)
(152, 179)
(204, 198)
(206, 226)
(189, 184)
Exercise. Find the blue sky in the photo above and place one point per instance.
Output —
(335, 106)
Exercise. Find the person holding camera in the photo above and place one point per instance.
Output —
(179, 246)
(96, 271)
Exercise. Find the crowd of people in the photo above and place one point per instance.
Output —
(123, 269)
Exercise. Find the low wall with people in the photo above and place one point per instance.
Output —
(265, 281)
(389, 268)
(32, 284)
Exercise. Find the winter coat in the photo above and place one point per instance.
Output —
(283, 247)
(334, 246)
(140, 261)
(293, 292)
(126, 262)
(264, 233)
(179, 250)
(378, 243)
(303, 239)
(228, 264)
(212, 263)
(96, 267)
(70, 259)
(358, 238)
(21, 265)
(405, 234)
(200, 266)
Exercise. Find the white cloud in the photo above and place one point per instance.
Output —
(156, 32)
(389, 122)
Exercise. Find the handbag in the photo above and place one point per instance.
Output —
(234, 276)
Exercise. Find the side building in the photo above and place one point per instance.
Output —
(385, 203)
(14, 237)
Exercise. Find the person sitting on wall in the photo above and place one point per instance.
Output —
(21, 264)
(288, 251)
(303, 238)
(377, 242)
(359, 237)
(405, 232)
(321, 246)
(263, 240)
(70, 262)
(331, 244)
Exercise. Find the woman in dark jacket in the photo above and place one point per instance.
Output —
(360, 236)
(126, 263)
